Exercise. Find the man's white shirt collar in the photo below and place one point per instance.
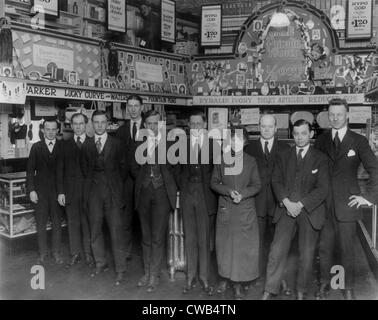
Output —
(270, 143)
(50, 147)
(197, 139)
(103, 137)
(305, 149)
(82, 137)
(342, 132)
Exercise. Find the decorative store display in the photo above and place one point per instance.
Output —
(300, 59)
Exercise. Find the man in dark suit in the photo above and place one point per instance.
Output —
(346, 150)
(70, 191)
(265, 150)
(198, 202)
(300, 182)
(104, 168)
(41, 185)
(128, 134)
(155, 198)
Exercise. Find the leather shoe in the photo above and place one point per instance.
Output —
(191, 283)
(89, 260)
(207, 288)
(75, 259)
(238, 291)
(144, 280)
(119, 278)
(266, 296)
(99, 270)
(300, 296)
(322, 292)
(285, 288)
(153, 283)
(222, 287)
(349, 294)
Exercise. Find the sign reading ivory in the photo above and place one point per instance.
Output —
(43, 55)
(274, 100)
(49, 6)
(211, 25)
(360, 17)
(168, 21)
(149, 72)
(117, 15)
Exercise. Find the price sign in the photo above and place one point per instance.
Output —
(360, 15)
(211, 26)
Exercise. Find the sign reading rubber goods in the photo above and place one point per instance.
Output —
(274, 100)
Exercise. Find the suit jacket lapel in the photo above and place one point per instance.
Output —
(127, 128)
(291, 166)
(308, 159)
(107, 147)
(45, 150)
(346, 144)
(329, 146)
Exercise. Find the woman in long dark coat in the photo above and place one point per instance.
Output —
(237, 234)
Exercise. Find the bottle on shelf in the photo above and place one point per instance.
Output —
(75, 8)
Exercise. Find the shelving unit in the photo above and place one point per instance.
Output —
(16, 212)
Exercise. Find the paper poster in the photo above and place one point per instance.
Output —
(43, 55)
(117, 15)
(250, 116)
(360, 15)
(12, 92)
(168, 21)
(218, 118)
(149, 72)
(359, 114)
(49, 6)
(211, 25)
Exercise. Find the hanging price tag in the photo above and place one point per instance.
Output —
(211, 26)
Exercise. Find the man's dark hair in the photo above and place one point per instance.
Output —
(198, 113)
(99, 113)
(50, 120)
(135, 97)
(302, 122)
(78, 114)
(151, 113)
(339, 102)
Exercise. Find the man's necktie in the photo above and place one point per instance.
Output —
(300, 156)
(51, 146)
(78, 142)
(134, 131)
(337, 141)
(98, 145)
(266, 150)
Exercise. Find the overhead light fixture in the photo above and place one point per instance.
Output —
(279, 20)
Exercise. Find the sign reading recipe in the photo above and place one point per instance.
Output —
(211, 26)
(168, 21)
(360, 14)
(117, 15)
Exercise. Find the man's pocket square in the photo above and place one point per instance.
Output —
(314, 171)
(351, 153)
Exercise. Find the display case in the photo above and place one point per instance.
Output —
(16, 211)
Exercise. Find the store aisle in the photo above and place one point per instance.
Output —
(76, 283)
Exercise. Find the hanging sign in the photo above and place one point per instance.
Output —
(211, 25)
(49, 6)
(360, 17)
(12, 92)
(117, 15)
(168, 21)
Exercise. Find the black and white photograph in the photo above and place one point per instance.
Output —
(235, 163)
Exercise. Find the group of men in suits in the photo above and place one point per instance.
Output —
(316, 196)
(309, 190)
